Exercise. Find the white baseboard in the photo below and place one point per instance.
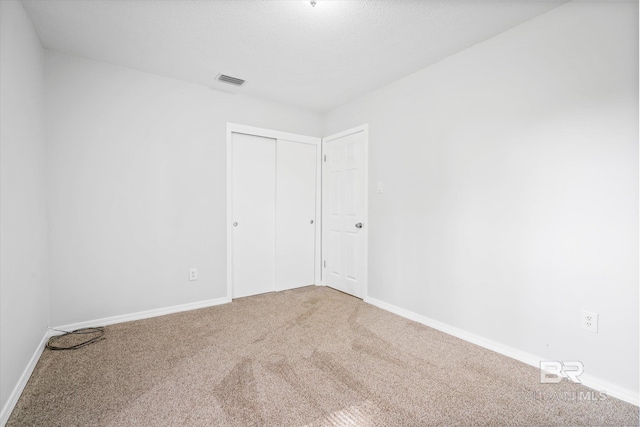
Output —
(17, 390)
(22, 382)
(597, 384)
(610, 389)
(143, 314)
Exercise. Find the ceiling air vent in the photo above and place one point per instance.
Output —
(231, 80)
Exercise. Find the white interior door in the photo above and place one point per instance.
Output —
(254, 207)
(345, 211)
(295, 214)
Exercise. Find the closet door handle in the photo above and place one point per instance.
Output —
(235, 224)
(311, 222)
(359, 225)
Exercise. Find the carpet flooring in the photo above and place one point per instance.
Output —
(307, 357)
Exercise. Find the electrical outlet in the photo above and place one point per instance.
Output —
(590, 321)
(193, 274)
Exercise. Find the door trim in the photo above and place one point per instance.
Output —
(365, 129)
(274, 134)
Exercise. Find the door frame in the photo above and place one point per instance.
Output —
(365, 129)
(274, 134)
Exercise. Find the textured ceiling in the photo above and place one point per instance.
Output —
(315, 58)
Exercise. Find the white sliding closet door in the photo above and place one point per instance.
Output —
(295, 214)
(273, 197)
(254, 207)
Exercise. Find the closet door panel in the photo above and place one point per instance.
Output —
(295, 214)
(254, 206)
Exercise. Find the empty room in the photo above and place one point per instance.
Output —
(319, 213)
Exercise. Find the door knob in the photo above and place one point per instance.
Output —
(235, 224)
(311, 222)
(359, 225)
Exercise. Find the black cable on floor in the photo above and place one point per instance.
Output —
(99, 330)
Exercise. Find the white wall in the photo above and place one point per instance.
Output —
(24, 294)
(511, 188)
(137, 186)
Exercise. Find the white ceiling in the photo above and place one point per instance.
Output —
(315, 58)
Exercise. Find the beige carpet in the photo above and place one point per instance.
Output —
(311, 356)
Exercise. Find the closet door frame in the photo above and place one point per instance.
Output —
(275, 134)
